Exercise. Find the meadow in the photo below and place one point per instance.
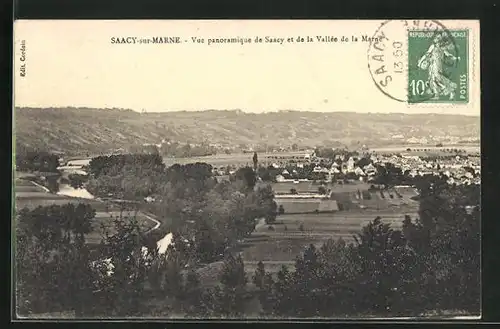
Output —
(280, 243)
(31, 196)
(291, 234)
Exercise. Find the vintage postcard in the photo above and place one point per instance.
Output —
(246, 169)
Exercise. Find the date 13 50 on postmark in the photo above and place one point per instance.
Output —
(438, 66)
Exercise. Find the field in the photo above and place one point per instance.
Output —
(236, 159)
(31, 196)
(291, 234)
(348, 198)
(311, 187)
(426, 150)
(218, 160)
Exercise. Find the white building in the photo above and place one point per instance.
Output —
(350, 164)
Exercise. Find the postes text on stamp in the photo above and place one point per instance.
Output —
(438, 66)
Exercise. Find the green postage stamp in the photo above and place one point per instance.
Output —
(438, 66)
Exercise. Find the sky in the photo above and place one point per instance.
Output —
(74, 63)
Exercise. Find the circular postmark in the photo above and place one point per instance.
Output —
(400, 48)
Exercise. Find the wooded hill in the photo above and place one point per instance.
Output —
(85, 130)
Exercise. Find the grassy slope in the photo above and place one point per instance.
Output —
(95, 130)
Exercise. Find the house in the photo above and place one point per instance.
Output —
(358, 171)
(334, 171)
(370, 169)
(324, 170)
(350, 164)
(317, 169)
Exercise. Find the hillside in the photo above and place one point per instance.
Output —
(83, 130)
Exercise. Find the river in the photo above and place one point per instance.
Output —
(68, 190)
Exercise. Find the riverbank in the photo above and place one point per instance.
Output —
(30, 194)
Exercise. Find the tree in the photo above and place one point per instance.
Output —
(35, 160)
(255, 160)
(389, 175)
(293, 191)
(53, 260)
(76, 180)
(247, 176)
(264, 282)
(305, 278)
(283, 293)
(363, 162)
(173, 279)
(385, 263)
(230, 298)
(270, 216)
(445, 239)
(194, 305)
(122, 292)
(233, 272)
(259, 276)
(322, 190)
(281, 210)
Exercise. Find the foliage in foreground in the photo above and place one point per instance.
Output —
(431, 264)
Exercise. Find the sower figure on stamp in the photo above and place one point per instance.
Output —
(432, 61)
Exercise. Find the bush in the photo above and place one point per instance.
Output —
(391, 196)
(281, 210)
(301, 227)
(293, 191)
(270, 228)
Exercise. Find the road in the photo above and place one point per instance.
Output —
(40, 186)
(157, 222)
